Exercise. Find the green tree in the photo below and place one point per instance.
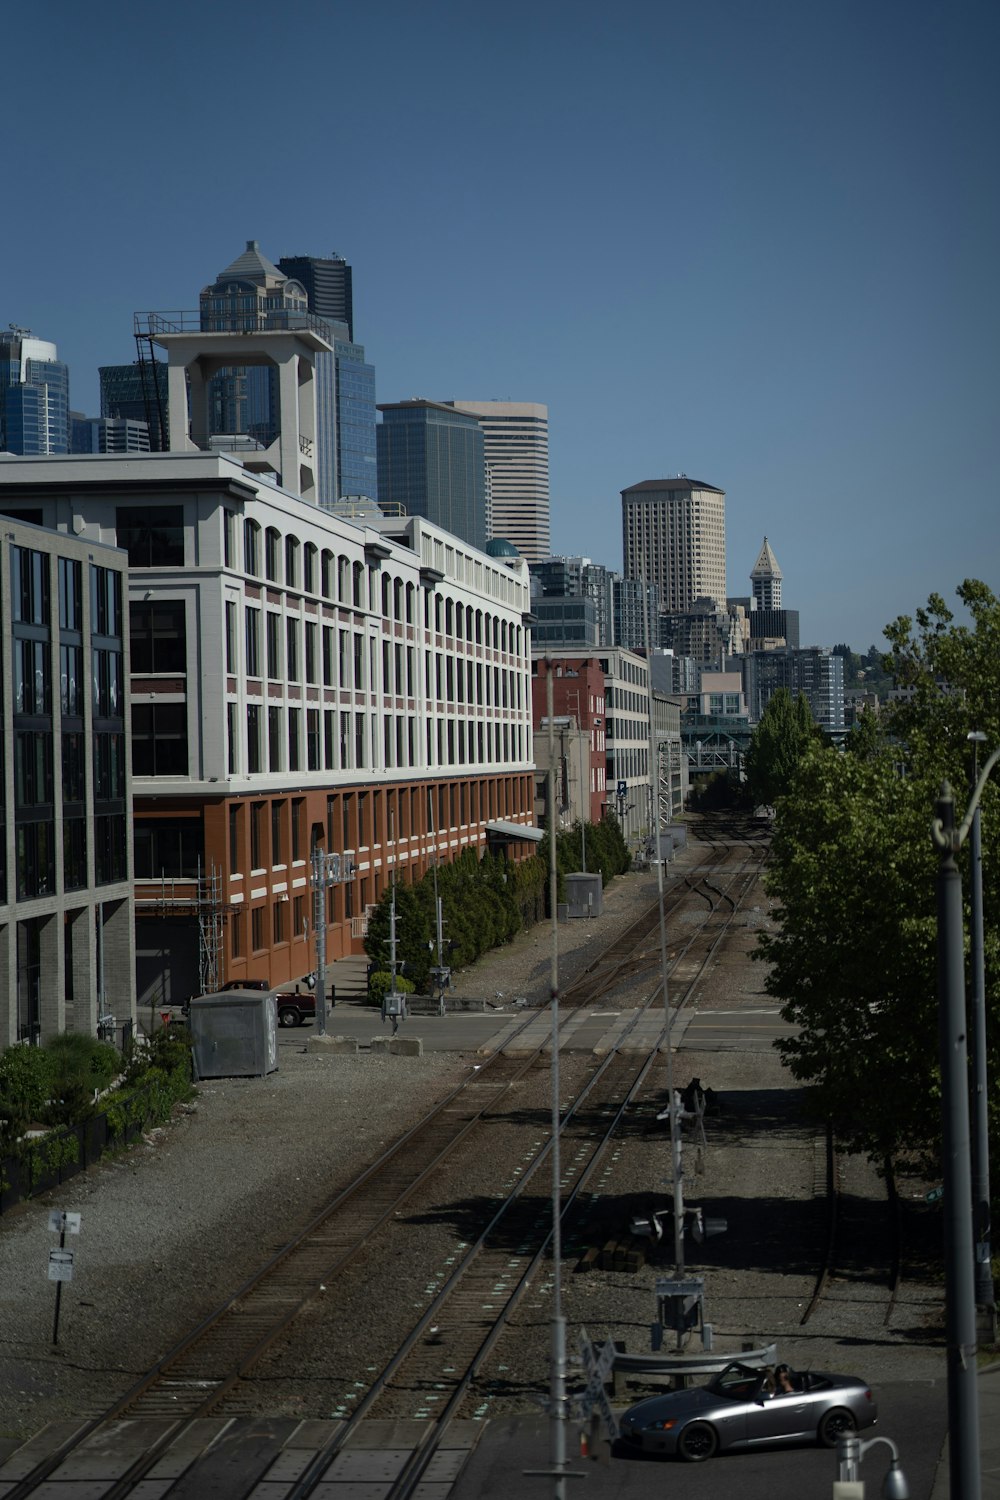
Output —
(777, 745)
(413, 934)
(853, 869)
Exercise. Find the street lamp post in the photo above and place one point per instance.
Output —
(850, 1451)
(985, 1299)
(963, 1390)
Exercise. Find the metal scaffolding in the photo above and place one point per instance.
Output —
(210, 930)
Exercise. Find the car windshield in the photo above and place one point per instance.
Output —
(735, 1383)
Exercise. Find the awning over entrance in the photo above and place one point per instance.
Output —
(515, 831)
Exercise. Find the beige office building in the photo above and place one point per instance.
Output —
(517, 458)
(674, 537)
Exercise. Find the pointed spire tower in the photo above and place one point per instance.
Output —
(765, 576)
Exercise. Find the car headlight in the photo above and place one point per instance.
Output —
(662, 1426)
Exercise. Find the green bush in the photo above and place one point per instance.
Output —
(80, 1065)
(379, 985)
(25, 1090)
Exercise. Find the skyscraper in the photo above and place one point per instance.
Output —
(138, 393)
(765, 577)
(34, 395)
(516, 435)
(328, 283)
(329, 286)
(431, 461)
(674, 537)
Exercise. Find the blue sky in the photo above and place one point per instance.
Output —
(757, 243)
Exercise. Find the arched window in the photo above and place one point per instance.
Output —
(326, 574)
(251, 548)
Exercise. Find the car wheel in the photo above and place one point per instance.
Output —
(834, 1425)
(698, 1442)
(288, 1018)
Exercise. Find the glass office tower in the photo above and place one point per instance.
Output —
(34, 395)
(431, 461)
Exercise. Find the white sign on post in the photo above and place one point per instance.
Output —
(61, 1222)
(60, 1265)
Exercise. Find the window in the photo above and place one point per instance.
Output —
(108, 687)
(257, 813)
(294, 736)
(70, 602)
(168, 847)
(29, 586)
(251, 548)
(253, 738)
(274, 738)
(230, 635)
(157, 633)
(73, 767)
(327, 655)
(291, 562)
(228, 527)
(278, 920)
(298, 814)
(277, 842)
(74, 853)
(309, 579)
(310, 636)
(272, 553)
(257, 928)
(105, 602)
(109, 767)
(326, 574)
(235, 821)
(34, 855)
(152, 535)
(159, 739)
(236, 929)
(292, 649)
(232, 757)
(252, 642)
(33, 784)
(273, 644)
(109, 848)
(312, 739)
(71, 683)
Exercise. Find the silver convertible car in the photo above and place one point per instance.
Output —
(744, 1408)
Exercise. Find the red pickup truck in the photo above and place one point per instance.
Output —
(293, 1008)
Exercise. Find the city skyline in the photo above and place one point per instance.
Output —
(782, 283)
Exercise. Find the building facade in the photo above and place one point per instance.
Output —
(815, 671)
(66, 917)
(579, 720)
(766, 578)
(431, 461)
(329, 285)
(34, 395)
(516, 437)
(299, 680)
(138, 393)
(674, 538)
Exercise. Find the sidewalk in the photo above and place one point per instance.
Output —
(989, 1441)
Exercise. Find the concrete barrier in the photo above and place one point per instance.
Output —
(337, 1046)
(397, 1046)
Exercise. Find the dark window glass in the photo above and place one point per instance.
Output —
(158, 637)
(253, 737)
(109, 767)
(159, 739)
(274, 739)
(253, 642)
(109, 848)
(35, 859)
(277, 842)
(74, 853)
(73, 766)
(70, 602)
(71, 685)
(32, 770)
(152, 535)
(29, 581)
(32, 678)
(257, 811)
(168, 847)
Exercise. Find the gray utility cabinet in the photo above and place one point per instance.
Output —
(235, 1034)
(583, 895)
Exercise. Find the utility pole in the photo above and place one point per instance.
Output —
(557, 1382)
(985, 1297)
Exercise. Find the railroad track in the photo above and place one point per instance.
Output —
(451, 1338)
(862, 1256)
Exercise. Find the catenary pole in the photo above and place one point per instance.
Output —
(557, 1379)
(985, 1296)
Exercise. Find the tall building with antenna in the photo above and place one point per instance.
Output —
(674, 538)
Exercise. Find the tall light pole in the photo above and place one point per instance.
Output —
(985, 1298)
(960, 1303)
(557, 1372)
